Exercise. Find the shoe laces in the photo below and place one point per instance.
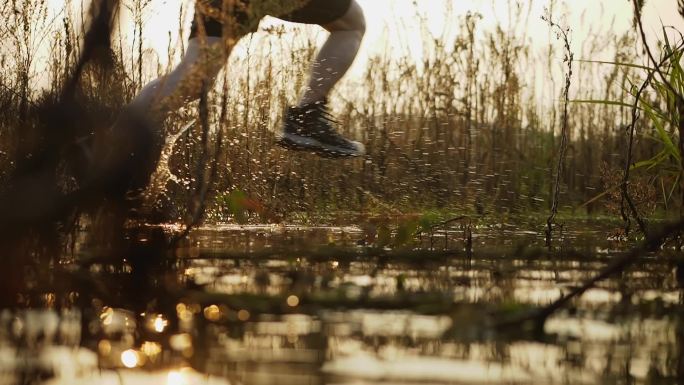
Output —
(321, 113)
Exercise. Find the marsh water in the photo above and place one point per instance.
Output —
(278, 304)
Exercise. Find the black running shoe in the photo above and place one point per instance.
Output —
(310, 128)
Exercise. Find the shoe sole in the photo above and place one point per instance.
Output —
(301, 143)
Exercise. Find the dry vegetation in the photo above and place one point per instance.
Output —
(461, 129)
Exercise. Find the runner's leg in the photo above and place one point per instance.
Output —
(336, 55)
(199, 65)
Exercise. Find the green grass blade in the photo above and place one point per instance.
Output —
(662, 133)
(657, 160)
(677, 78)
(664, 193)
(644, 163)
(674, 186)
(599, 196)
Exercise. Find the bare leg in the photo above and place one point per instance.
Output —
(200, 65)
(336, 55)
(130, 149)
(309, 126)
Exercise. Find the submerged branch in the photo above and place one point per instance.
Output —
(652, 243)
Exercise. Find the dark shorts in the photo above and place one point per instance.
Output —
(310, 12)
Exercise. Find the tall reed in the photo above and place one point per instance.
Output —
(461, 127)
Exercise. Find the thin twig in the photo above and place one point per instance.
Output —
(569, 57)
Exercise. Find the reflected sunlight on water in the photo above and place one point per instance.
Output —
(318, 320)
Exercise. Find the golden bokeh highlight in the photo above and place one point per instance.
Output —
(243, 315)
(159, 323)
(292, 301)
(180, 341)
(184, 312)
(130, 358)
(107, 316)
(180, 377)
(151, 349)
(212, 313)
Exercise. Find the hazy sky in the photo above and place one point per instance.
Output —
(398, 16)
(581, 16)
(397, 20)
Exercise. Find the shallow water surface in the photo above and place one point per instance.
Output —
(316, 305)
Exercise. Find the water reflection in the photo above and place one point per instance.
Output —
(300, 319)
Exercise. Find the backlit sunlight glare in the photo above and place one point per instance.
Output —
(130, 358)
